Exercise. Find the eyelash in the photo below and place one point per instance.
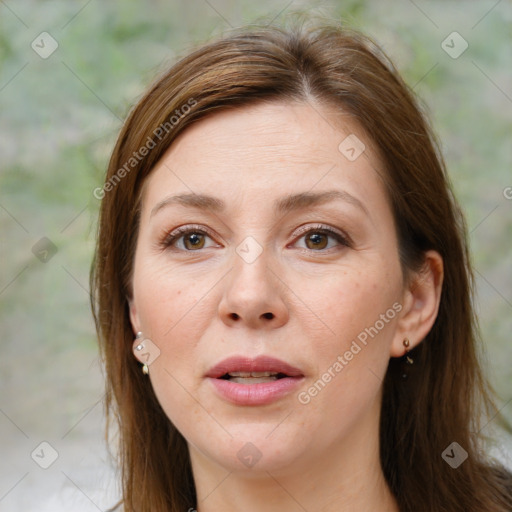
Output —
(180, 232)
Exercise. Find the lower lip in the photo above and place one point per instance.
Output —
(255, 394)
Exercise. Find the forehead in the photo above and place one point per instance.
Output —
(265, 150)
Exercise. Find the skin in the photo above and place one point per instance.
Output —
(319, 456)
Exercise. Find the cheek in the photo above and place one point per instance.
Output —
(165, 297)
(173, 316)
(174, 312)
(354, 302)
(361, 313)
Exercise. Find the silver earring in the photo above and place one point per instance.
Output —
(140, 346)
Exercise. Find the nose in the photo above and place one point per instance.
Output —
(253, 296)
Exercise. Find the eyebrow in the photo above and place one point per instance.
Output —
(283, 205)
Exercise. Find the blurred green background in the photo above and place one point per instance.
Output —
(59, 117)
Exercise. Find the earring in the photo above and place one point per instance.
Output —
(408, 359)
(138, 348)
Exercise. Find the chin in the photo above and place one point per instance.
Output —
(254, 452)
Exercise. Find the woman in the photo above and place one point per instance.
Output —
(283, 291)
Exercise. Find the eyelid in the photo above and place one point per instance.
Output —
(190, 227)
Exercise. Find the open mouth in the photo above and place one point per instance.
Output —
(261, 380)
(253, 377)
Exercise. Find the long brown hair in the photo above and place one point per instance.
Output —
(446, 394)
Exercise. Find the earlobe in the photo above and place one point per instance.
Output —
(421, 304)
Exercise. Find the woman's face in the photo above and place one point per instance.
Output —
(267, 250)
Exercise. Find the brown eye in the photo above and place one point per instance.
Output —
(316, 240)
(193, 241)
(187, 239)
(322, 239)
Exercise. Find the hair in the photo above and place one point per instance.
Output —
(446, 395)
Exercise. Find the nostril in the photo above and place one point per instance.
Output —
(234, 316)
(269, 315)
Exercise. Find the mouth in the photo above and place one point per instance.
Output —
(254, 381)
(249, 369)
(249, 378)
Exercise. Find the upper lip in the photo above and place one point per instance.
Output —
(253, 364)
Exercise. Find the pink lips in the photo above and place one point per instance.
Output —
(254, 394)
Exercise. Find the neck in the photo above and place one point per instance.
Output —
(347, 477)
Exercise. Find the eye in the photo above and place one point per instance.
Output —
(316, 238)
(187, 238)
(194, 238)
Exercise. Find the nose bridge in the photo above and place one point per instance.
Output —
(251, 267)
(252, 295)
(251, 277)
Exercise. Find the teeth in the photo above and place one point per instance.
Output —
(252, 374)
(252, 380)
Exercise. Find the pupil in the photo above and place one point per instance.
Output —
(194, 239)
(317, 240)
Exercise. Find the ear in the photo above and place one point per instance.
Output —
(420, 301)
(138, 343)
(134, 316)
